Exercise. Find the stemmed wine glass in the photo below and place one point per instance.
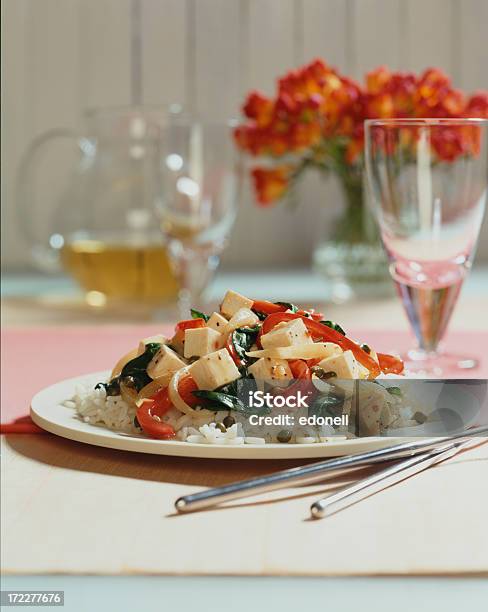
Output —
(197, 209)
(428, 183)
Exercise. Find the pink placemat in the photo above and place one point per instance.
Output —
(34, 358)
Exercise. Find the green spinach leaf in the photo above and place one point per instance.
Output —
(196, 314)
(243, 338)
(288, 306)
(111, 388)
(328, 405)
(136, 368)
(335, 326)
(214, 400)
(260, 315)
(228, 397)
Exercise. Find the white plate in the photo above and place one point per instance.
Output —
(48, 412)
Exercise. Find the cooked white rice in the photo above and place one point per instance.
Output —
(96, 408)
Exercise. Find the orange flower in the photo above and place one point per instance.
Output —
(431, 81)
(389, 94)
(377, 80)
(305, 135)
(402, 87)
(258, 107)
(380, 106)
(304, 82)
(435, 97)
(270, 183)
(477, 106)
(250, 138)
(448, 143)
(317, 112)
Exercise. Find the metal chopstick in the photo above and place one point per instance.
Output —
(381, 480)
(314, 472)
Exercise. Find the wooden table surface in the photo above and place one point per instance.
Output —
(73, 508)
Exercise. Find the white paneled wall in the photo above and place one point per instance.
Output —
(61, 56)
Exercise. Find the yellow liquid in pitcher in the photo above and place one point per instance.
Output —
(121, 272)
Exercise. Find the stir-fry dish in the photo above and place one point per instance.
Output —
(222, 378)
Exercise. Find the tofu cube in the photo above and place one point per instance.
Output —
(200, 341)
(363, 373)
(344, 365)
(233, 302)
(274, 371)
(372, 409)
(142, 344)
(164, 362)
(287, 334)
(214, 370)
(244, 317)
(217, 322)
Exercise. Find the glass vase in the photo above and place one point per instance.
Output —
(351, 259)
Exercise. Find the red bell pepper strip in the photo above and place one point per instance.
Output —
(316, 316)
(229, 345)
(267, 307)
(189, 324)
(312, 362)
(300, 369)
(390, 364)
(185, 389)
(270, 308)
(182, 326)
(150, 425)
(301, 372)
(323, 333)
(162, 404)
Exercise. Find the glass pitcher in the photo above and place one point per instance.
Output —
(102, 228)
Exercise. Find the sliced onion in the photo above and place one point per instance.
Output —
(203, 415)
(150, 389)
(174, 394)
(129, 394)
(315, 350)
(122, 362)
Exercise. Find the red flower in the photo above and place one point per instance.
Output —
(448, 142)
(317, 110)
(377, 80)
(270, 183)
(477, 106)
(435, 97)
(389, 94)
(258, 107)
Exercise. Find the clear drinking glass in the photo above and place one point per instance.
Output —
(201, 187)
(428, 184)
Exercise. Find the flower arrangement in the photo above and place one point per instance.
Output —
(316, 121)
